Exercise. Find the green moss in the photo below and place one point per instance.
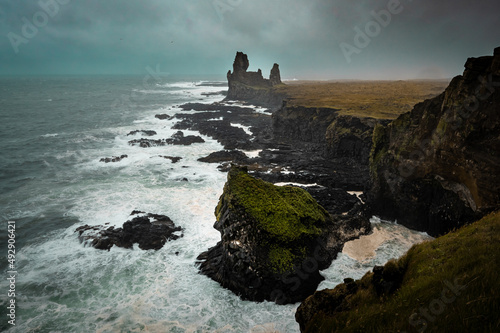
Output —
(379, 148)
(468, 259)
(281, 259)
(285, 213)
(286, 217)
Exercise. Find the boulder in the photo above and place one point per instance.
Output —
(274, 240)
(113, 159)
(150, 232)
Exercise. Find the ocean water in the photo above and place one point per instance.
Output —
(54, 131)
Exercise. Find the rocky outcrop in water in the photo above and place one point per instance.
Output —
(150, 232)
(438, 166)
(274, 240)
(177, 138)
(251, 86)
(113, 159)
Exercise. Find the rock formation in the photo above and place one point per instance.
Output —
(252, 86)
(274, 240)
(437, 286)
(438, 166)
(149, 235)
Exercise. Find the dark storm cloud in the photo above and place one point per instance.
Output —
(201, 36)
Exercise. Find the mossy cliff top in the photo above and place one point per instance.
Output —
(449, 284)
(286, 213)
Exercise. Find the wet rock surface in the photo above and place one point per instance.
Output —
(144, 132)
(113, 159)
(274, 240)
(150, 232)
(177, 138)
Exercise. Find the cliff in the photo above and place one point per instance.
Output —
(274, 240)
(252, 87)
(437, 167)
(449, 284)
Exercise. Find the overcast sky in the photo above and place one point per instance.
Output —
(315, 39)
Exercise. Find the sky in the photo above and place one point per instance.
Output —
(309, 39)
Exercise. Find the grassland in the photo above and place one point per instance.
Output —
(377, 99)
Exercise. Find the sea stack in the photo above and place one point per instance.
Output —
(274, 240)
(252, 86)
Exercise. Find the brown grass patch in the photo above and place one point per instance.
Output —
(377, 99)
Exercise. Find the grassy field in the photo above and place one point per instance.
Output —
(377, 99)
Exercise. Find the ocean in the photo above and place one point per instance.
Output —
(54, 132)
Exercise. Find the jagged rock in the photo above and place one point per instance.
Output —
(438, 166)
(251, 86)
(174, 159)
(145, 132)
(113, 159)
(224, 156)
(275, 76)
(349, 136)
(274, 240)
(149, 235)
(177, 138)
(163, 116)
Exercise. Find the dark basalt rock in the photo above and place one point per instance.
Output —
(149, 235)
(214, 107)
(174, 159)
(113, 159)
(274, 240)
(225, 156)
(163, 116)
(437, 167)
(176, 139)
(145, 132)
(251, 86)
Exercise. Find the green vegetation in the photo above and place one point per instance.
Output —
(288, 216)
(379, 148)
(285, 212)
(376, 99)
(449, 284)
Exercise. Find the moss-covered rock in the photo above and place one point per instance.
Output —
(274, 240)
(449, 284)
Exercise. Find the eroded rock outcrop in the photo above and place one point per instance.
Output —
(274, 240)
(149, 231)
(252, 86)
(438, 166)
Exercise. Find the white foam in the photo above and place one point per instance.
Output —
(252, 153)
(392, 241)
(296, 184)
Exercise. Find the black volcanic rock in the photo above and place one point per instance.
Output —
(177, 138)
(150, 235)
(437, 167)
(251, 86)
(224, 156)
(274, 240)
(113, 159)
(163, 116)
(145, 132)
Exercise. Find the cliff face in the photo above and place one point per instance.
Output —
(447, 285)
(251, 86)
(438, 166)
(274, 240)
